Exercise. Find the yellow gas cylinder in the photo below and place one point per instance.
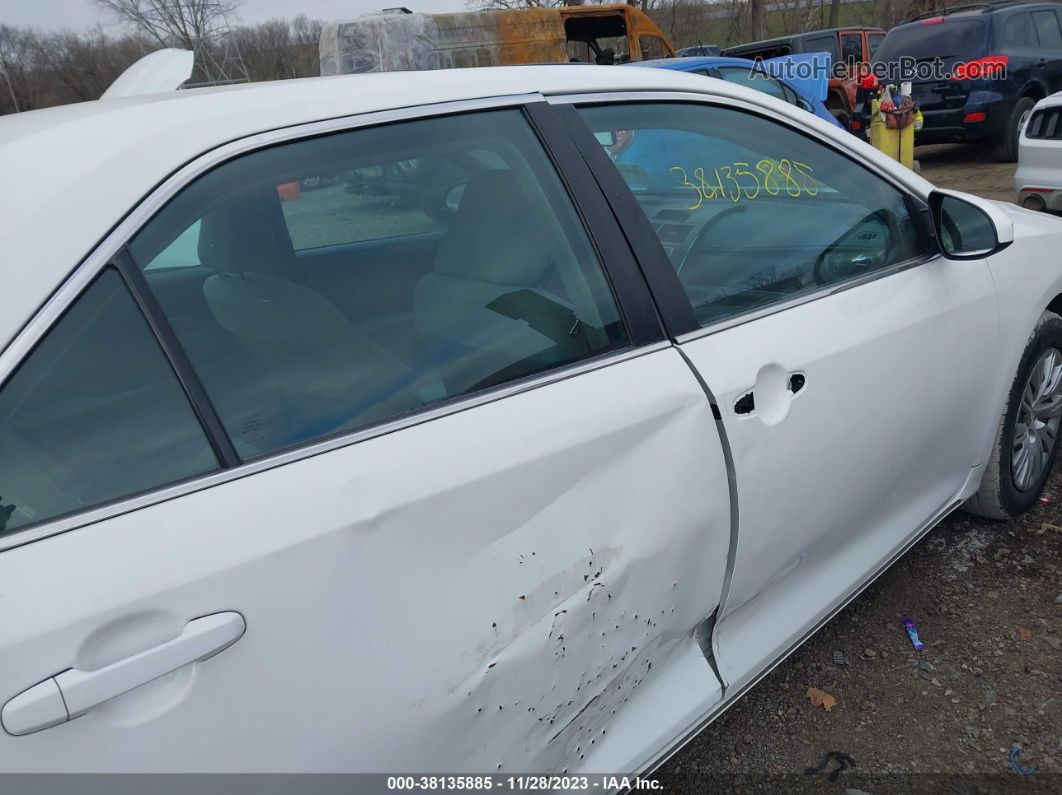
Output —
(906, 145)
(877, 122)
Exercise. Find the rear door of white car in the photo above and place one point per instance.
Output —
(393, 474)
(847, 360)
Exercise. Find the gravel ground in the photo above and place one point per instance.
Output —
(987, 598)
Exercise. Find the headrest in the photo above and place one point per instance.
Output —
(247, 232)
(496, 235)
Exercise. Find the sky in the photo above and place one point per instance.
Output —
(82, 14)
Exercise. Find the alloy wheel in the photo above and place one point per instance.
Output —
(1036, 426)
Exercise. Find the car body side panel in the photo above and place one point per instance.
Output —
(1027, 276)
(882, 436)
(481, 592)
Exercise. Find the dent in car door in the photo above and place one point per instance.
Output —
(478, 592)
(846, 369)
(487, 583)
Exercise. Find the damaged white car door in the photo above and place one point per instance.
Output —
(846, 354)
(468, 507)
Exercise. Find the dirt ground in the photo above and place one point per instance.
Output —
(967, 168)
(987, 599)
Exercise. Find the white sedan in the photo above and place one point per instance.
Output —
(1038, 178)
(568, 403)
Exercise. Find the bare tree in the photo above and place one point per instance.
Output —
(757, 20)
(197, 25)
(835, 10)
(19, 62)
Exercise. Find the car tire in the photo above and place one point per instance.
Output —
(1008, 488)
(842, 117)
(1006, 151)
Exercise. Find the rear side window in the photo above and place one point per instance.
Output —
(873, 40)
(1013, 30)
(94, 414)
(1045, 25)
(393, 198)
(438, 257)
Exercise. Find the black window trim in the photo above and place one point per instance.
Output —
(109, 254)
(138, 287)
(680, 322)
(629, 288)
(28, 532)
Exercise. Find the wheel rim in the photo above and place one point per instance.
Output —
(1021, 121)
(1036, 426)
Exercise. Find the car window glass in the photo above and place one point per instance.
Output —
(873, 40)
(386, 288)
(93, 414)
(1047, 30)
(1013, 33)
(753, 79)
(751, 212)
(387, 199)
(852, 48)
(822, 44)
(953, 40)
(652, 47)
(183, 252)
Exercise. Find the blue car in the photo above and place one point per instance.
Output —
(805, 93)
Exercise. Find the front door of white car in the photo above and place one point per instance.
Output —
(391, 480)
(847, 362)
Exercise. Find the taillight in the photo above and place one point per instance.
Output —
(978, 115)
(989, 66)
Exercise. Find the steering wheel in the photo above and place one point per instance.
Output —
(705, 229)
(832, 266)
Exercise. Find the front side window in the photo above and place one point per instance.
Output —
(750, 212)
(424, 261)
(94, 414)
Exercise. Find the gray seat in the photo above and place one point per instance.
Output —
(333, 375)
(484, 306)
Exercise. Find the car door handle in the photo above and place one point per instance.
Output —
(746, 404)
(74, 692)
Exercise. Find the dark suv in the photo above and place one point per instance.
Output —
(1024, 38)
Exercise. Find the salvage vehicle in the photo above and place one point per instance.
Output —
(807, 93)
(849, 48)
(544, 485)
(398, 40)
(1000, 59)
(1038, 179)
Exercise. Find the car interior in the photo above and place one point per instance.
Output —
(748, 213)
(494, 282)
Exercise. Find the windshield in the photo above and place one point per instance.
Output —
(952, 40)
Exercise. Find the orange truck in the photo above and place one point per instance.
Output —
(399, 40)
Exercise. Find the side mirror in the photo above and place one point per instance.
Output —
(968, 227)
